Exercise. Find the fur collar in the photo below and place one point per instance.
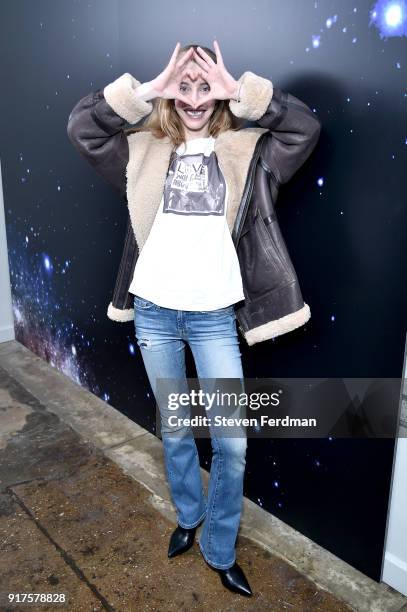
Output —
(147, 169)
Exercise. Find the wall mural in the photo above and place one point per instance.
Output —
(342, 216)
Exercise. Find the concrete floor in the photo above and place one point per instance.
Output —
(85, 512)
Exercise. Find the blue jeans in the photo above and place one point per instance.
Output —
(161, 334)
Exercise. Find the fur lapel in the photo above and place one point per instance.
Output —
(234, 150)
(147, 170)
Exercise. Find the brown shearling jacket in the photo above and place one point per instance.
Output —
(255, 161)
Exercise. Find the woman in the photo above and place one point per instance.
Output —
(186, 279)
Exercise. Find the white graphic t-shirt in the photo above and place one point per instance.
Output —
(189, 261)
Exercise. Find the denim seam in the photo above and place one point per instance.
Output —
(213, 506)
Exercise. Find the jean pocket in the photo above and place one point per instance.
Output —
(143, 304)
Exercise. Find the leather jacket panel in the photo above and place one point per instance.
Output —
(96, 131)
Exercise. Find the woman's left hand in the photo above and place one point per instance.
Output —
(223, 85)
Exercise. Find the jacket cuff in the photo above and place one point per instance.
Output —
(120, 95)
(255, 96)
(120, 315)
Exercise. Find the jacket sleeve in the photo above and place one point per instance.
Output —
(294, 128)
(95, 127)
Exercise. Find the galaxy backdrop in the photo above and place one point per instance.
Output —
(343, 217)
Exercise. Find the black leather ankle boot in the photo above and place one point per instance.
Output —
(181, 540)
(234, 579)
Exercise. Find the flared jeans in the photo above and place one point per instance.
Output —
(162, 334)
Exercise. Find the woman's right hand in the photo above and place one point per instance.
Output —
(167, 83)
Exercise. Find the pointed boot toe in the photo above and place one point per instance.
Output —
(234, 579)
(181, 540)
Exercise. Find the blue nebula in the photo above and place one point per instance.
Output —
(47, 263)
(390, 17)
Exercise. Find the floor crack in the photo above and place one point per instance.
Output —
(118, 444)
(65, 556)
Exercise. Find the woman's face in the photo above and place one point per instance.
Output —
(193, 85)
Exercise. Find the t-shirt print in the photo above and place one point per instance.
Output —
(194, 186)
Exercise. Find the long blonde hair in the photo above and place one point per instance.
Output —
(165, 121)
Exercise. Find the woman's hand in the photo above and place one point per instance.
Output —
(167, 83)
(223, 85)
